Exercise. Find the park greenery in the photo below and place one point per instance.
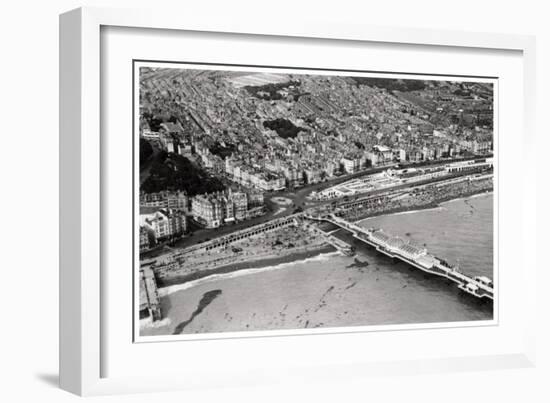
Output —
(145, 151)
(391, 84)
(284, 127)
(171, 171)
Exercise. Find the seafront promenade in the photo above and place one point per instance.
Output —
(297, 235)
(284, 237)
(277, 240)
(368, 289)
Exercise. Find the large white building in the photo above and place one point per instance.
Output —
(164, 224)
(352, 164)
(172, 200)
(216, 209)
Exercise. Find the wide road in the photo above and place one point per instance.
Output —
(298, 197)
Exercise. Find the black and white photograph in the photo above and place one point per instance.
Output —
(226, 201)
(271, 198)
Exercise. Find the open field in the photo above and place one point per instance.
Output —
(257, 79)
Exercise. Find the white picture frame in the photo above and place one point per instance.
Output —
(82, 343)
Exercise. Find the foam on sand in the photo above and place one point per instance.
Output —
(148, 323)
(242, 272)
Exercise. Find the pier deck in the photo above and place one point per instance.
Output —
(417, 257)
(149, 299)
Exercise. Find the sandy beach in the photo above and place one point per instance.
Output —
(332, 290)
(258, 262)
(327, 292)
(423, 206)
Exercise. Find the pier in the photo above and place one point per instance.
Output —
(148, 299)
(418, 257)
(337, 243)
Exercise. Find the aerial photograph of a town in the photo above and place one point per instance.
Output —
(273, 199)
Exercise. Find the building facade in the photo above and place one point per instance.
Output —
(164, 224)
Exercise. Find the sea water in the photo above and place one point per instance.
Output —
(333, 290)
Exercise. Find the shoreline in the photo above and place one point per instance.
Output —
(430, 206)
(262, 263)
(251, 264)
(382, 290)
(171, 289)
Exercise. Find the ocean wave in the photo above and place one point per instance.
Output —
(438, 208)
(474, 196)
(148, 323)
(481, 195)
(441, 207)
(244, 272)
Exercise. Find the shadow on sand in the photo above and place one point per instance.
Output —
(206, 300)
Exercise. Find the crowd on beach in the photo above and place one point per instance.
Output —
(300, 238)
(425, 197)
(269, 245)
